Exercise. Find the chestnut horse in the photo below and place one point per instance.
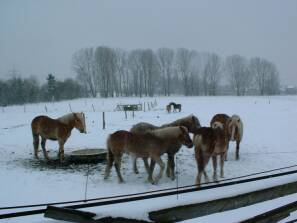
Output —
(191, 122)
(234, 127)
(56, 129)
(153, 145)
(210, 142)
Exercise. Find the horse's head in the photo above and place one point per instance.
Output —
(80, 122)
(185, 137)
(193, 123)
(234, 125)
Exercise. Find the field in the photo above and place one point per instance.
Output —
(269, 142)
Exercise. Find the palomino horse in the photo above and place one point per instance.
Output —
(154, 145)
(56, 129)
(191, 122)
(234, 127)
(210, 142)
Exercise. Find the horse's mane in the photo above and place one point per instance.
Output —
(70, 116)
(186, 121)
(65, 119)
(173, 131)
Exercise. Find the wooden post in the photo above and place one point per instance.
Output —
(45, 108)
(70, 107)
(93, 108)
(103, 117)
(148, 106)
(125, 114)
(133, 112)
(144, 106)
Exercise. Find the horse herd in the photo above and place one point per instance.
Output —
(148, 141)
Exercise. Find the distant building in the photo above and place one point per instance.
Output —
(289, 90)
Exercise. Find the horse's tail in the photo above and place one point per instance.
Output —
(35, 135)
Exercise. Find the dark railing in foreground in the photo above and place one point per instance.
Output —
(144, 195)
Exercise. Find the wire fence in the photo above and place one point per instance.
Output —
(76, 204)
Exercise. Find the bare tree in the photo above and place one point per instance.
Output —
(134, 62)
(105, 60)
(212, 74)
(239, 75)
(183, 67)
(83, 65)
(165, 58)
(266, 76)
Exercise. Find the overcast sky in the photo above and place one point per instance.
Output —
(40, 37)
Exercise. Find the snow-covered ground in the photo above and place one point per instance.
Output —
(269, 142)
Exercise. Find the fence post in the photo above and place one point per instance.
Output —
(70, 107)
(103, 117)
(144, 106)
(148, 106)
(125, 114)
(93, 108)
(45, 108)
(133, 112)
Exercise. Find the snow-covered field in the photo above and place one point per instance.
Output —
(269, 142)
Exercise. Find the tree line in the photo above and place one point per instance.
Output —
(110, 72)
(17, 90)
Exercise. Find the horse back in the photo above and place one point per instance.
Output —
(47, 127)
(143, 127)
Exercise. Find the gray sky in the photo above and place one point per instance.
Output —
(40, 37)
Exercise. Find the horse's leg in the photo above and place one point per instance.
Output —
(158, 160)
(151, 171)
(205, 176)
(222, 161)
(61, 150)
(118, 160)
(237, 150)
(146, 164)
(226, 151)
(135, 165)
(214, 164)
(170, 166)
(36, 144)
(43, 141)
(200, 165)
(110, 160)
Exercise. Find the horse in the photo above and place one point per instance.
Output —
(177, 107)
(154, 145)
(191, 122)
(210, 143)
(55, 129)
(168, 108)
(233, 125)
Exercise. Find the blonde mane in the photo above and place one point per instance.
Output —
(66, 118)
(173, 131)
(69, 117)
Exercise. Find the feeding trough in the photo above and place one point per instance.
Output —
(93, 155)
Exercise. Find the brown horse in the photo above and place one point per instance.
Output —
(233, 126)
(191, 122)
(209, 142)
(154, 145)
(56, 129)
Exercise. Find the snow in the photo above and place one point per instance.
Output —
(269, 142)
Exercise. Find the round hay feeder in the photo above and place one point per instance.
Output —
(88, 155)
